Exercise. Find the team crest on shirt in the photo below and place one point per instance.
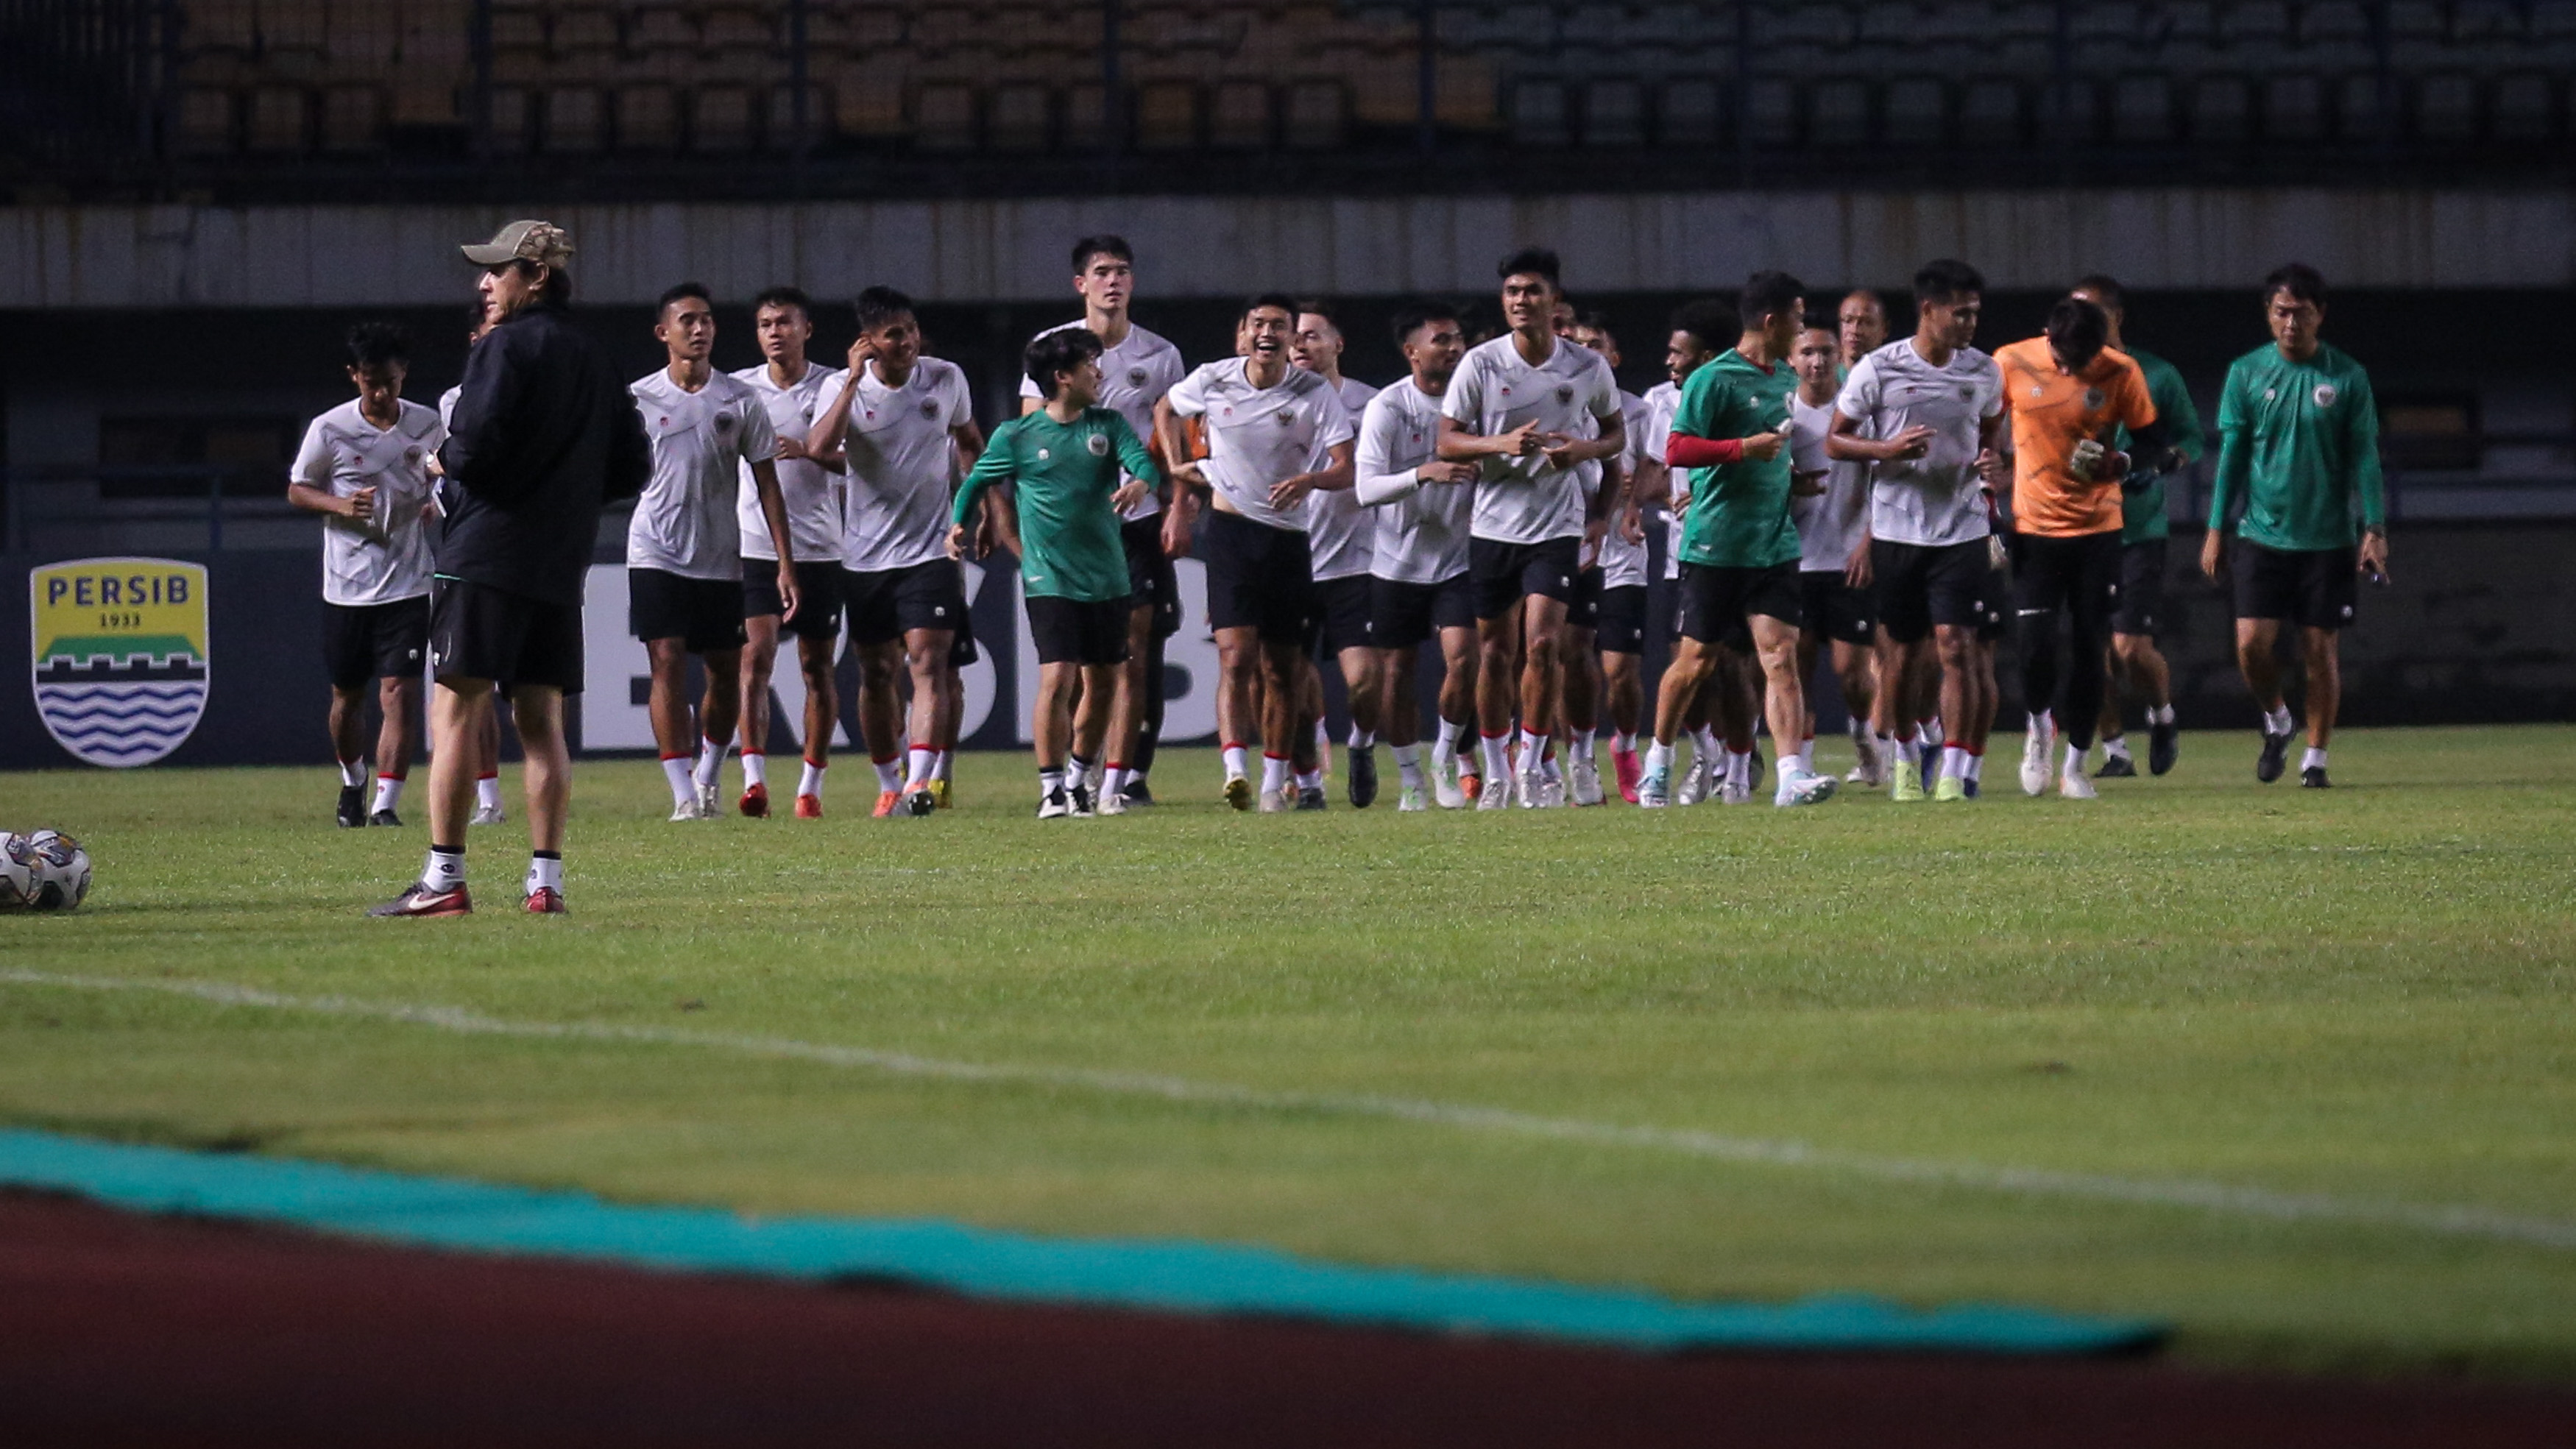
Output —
(119, 655)
(1564, 395)
(1098, 443)
(2093, 399)
(725, 423)
(1135, 377)
(411, 456)
(2325, 394)
(1285, 421)
(930, 407)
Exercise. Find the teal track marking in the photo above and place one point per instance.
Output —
(1172, 1276)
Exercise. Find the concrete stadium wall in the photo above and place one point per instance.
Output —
(1005, 251)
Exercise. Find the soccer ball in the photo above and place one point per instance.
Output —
(61, 870)
(17, 872)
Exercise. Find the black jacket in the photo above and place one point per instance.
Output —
(544, 434)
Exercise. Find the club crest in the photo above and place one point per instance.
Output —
(120, 658)
(1564, 395)
(1098, 443)
(2093, 399)
(2325, 395)
(1135, 377)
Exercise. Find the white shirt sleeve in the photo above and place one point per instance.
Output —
(313, 459)
(1604, 402)
(1188, 397)
(956, 400)
(1464, 403)
(1378, 479)
(759, 439)
(1860, 394)
(1333, 424)
(1029, 386)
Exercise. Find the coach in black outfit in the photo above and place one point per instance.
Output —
(543, 436)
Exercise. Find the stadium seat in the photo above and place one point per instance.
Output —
(1166, 116)
(1085, 116)
(2524, 108)
(584, 40)
(864, 106)
(1021, 118)
(280, 119)
(2142, 111)
(2446, 108)
(2222, 109)
(1538, 113)
(2260, 25)
(2362, 112)
(943, 117)
(1838, 112)
(576, 121)
(720, 119)
(1691, 112)
(1993, 112)
(1771, 113)
(648, 117)
(1614, 113)
(353, 118)
(661, 25)
(2294, 108)
(779, 130)
(1239, 115)
(1914, 111)
(206, 122)
(511, 110)
(1317, 114)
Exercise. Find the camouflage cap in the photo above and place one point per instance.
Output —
(534, 241)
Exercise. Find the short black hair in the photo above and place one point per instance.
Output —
(1530, 262)
(1596, 321)
(1318, 307)
(379, 344)
(682, 293)
(1059, 351)
(1943, 282)
(1410, 317)
(2106, 289)
(2078, 329)
(783, 297)
(2303, 282)
(1709, 321)
(1107, 244)
(1871, 293)
(1816, 320)
(879, 305)
(1280, 300)
(1768, 294)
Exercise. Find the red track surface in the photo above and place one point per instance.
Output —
(124, 1330)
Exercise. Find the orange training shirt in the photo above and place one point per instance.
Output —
(2052, 412)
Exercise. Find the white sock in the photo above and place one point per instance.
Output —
(388, 793)
(917, 766)
(1238, 762)
(2278, 722)
(1739, 769)
(684, 785)
(1533, 753)
(1807, 755)
(2160, 714)
(711, 758)
(1579, 744)
(352, 773)
(1887, 746)
(1954, 762)
(1323, 740)
(487, 792)
(1274, 773)
(1076, 771)
(1930, 731)
(2074, 762)
(1447, 746)
(889, 772)
(1362, 739)
(1408, 766)
(811, 782)
(1704, 745)
(2315, 759)
(1113, 780)
(755, 769)
(2116, 748)
(2039, 723)
(445, 870)
(1623, 742)
(1497, 755)
(545, 872)
(1310, 779)
(1976, 767)
(1049, 781)
(1659, 756)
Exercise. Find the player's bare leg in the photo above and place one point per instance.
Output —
(925, 657)
(1364, 689)
(1285, 748)
(759, 658)
(1127, 709)
(881, 715)
(1542, 690)
(1238, 709)
(1775, 644)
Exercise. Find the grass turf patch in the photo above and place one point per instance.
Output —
(2361, 993)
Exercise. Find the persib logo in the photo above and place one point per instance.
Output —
(120, 655)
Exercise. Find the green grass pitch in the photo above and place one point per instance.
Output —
(2359, 997)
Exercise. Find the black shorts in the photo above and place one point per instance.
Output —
(1834, 609)
(1583, 611)
(2142, 588)
(1921, 585)
(1716, 602)
(1406, 616)
(705, 615)
(1342, 610)
(886, 604)
(1622, 625)
(1079, 631)
(374, 641)
(1258, 577)
(2078, 576)
(2313, 588)
(1506, 573)
(479, 632)
(818, 601)
(1149, 574)
(1994, 598)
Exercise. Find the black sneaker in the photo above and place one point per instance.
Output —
(1081, 799)
(418, 899)
(2164, 746)
(385, 817)
(2314, 778)
(353, 806)
(2276, 753)
(1137, 793)
(1056, 805)
(1363, 778)
(2117, 767)
(1311, 798)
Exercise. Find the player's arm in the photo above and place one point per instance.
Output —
(1136, 462)
(1694, 440)
(991, 469)
(308, 486)
(773, 511)
(1333, 477)
(1604, 447)
(1456, 444)
(831, 427)
(2361, 424)
(1184, 473)
(2235, 459)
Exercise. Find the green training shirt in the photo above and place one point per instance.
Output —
(1063, 474)
(2297, 441)
(1739, 512)
(2142, 514)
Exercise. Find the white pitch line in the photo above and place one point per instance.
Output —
(2215, 1197)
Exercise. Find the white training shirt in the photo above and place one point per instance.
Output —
(685, 523)
(1530, 500)
(1932, 500)
(1831, 524)
(902, 455)
(1623, 564)
(1341, 531)
(1258, 436)
(1422, 528)
(387, 556)
(1663, 400)
(810, 492)
(1134, 375)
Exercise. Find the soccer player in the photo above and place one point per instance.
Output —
(684, 544)
(1517, 407)
(2298, 443)
(1833, 534)
(1739, 548)
(364, 467)
(904, 425)
(1922, 413)
(543, 436)
(2135, 661)
(1276, 433)
(1076, 467)
(1341, 534)
(790, 388)
(1419, 583)
(1614, 592)
(1136, 369)
(2069, 392)
(1698, 333)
